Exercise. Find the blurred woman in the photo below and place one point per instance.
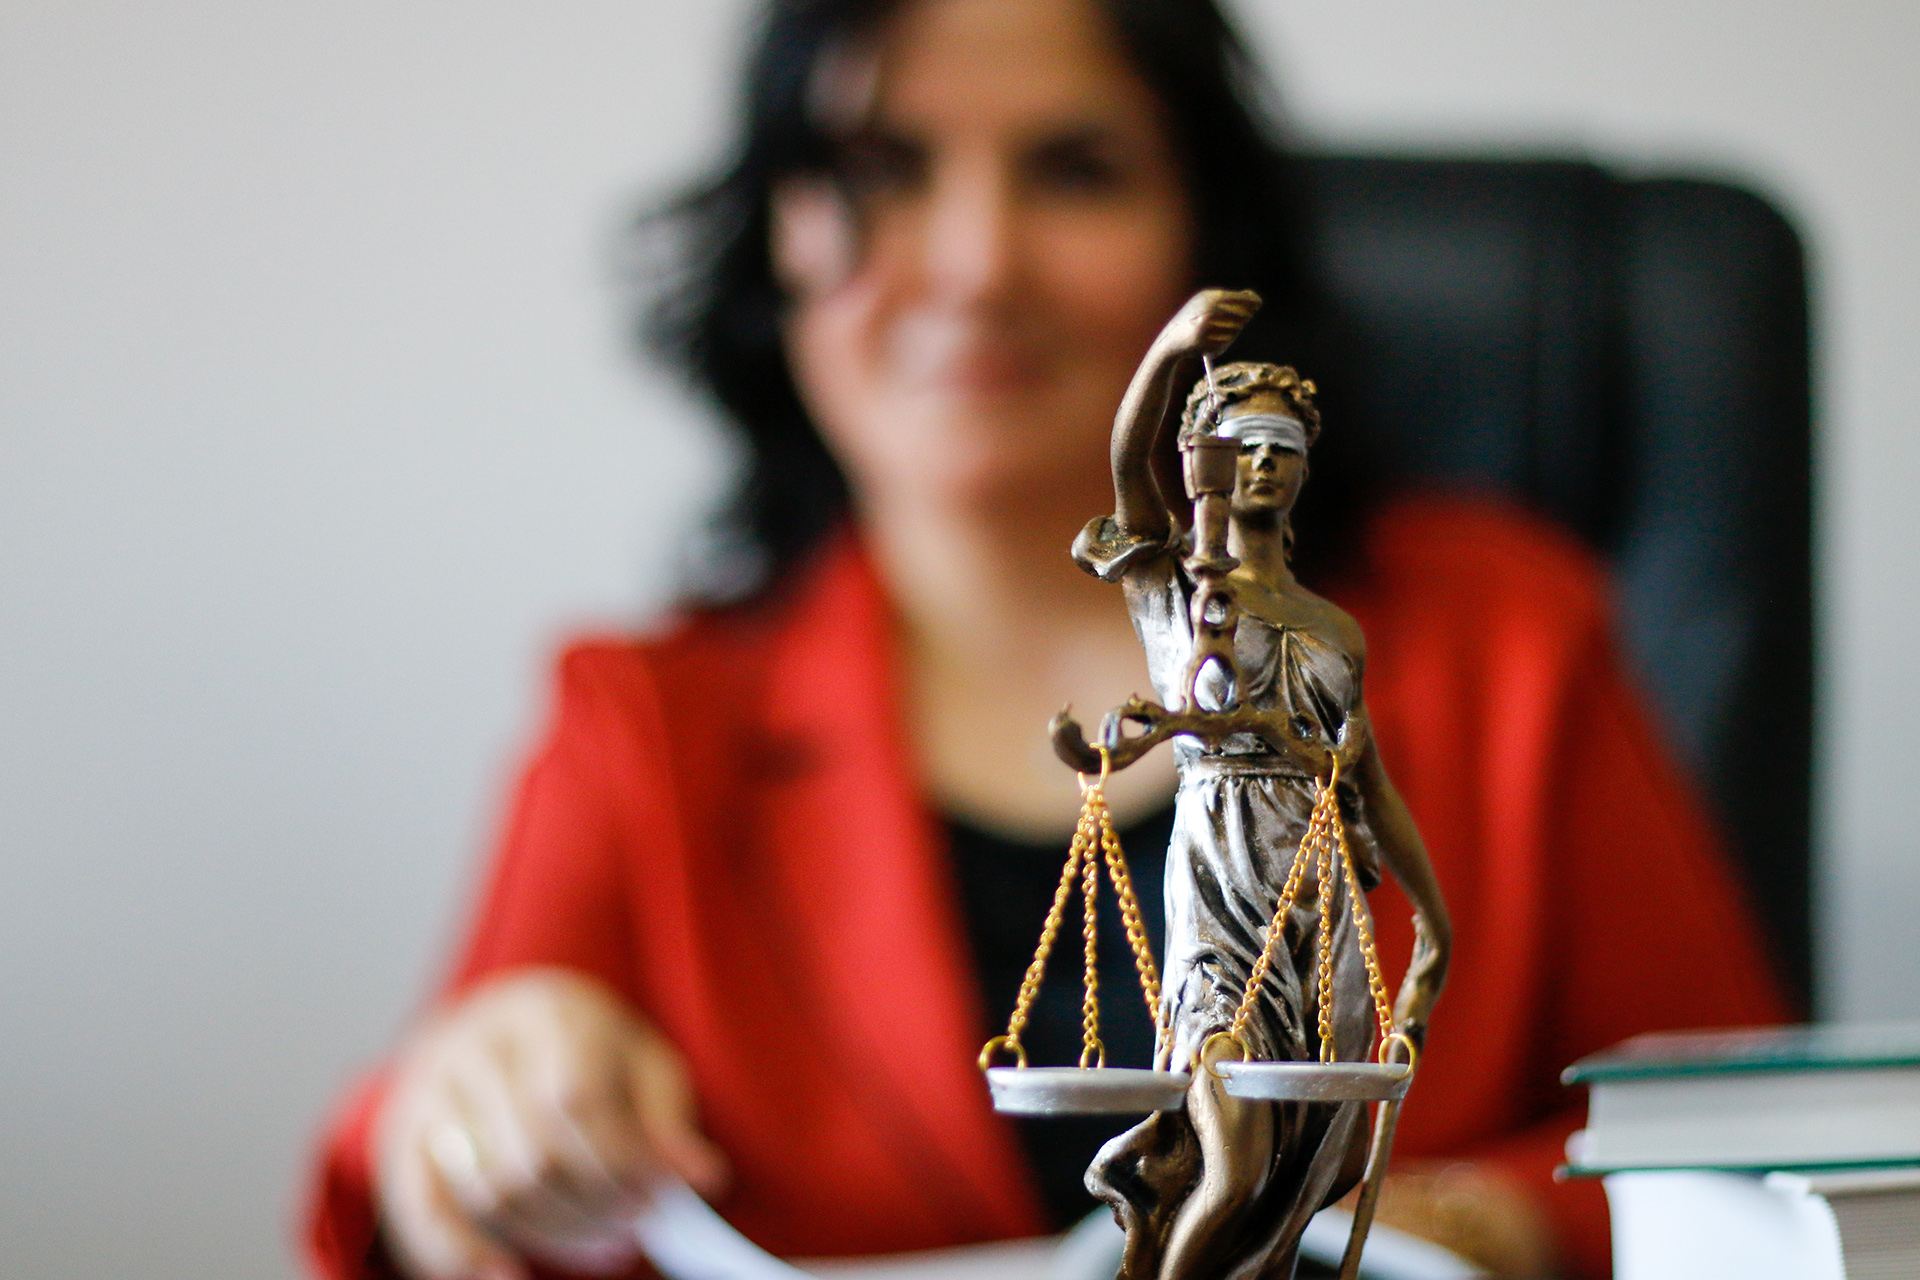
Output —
(773, 869)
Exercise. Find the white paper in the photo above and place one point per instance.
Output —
(687, 1240)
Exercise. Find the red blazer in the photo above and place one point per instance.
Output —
(723, 822)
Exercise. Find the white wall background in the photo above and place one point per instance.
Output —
(316, 432)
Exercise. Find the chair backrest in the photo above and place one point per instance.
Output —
(1628, 357)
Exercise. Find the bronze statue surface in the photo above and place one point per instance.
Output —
(1284, 817)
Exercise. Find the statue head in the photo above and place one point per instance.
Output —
(1268, 409)
(1246, 387)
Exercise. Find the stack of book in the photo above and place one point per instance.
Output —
(1789, 1152)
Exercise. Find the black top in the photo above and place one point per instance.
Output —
(1006, 886)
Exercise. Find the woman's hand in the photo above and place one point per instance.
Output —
(531, 1117)
(1208, 323)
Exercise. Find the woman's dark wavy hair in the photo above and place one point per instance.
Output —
(715, 310)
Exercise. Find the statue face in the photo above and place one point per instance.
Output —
(1270, 477)
(1269, 481)
(967, 313)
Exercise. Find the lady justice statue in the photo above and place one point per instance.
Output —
(1269, 966)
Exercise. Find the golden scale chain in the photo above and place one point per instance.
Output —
(1324, 841)
(1095, 841)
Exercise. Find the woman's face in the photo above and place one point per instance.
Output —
(1270, 476)
(964, 325)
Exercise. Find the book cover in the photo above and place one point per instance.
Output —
(1842, 1046)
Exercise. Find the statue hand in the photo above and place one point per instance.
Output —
(1426, 971)
(1208, 323)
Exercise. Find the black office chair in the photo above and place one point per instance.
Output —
(1630, 358)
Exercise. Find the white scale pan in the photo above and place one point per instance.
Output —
(1066, 1091)
(1086, 1091)
(1316, 1081)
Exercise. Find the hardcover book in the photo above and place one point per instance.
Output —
(1818, 1097)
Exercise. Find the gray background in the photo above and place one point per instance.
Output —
(316, 434)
